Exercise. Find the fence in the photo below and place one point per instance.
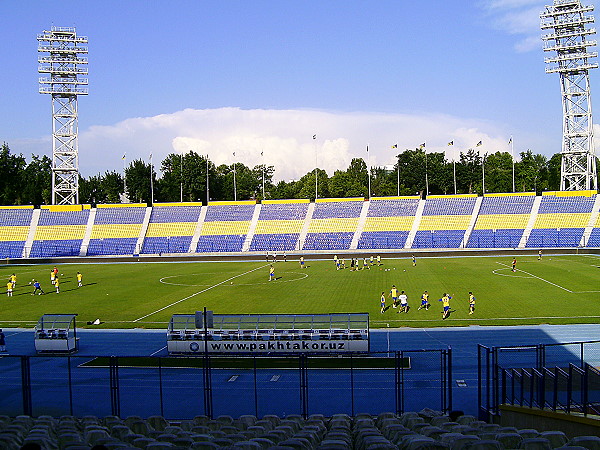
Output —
(182, 387)
(560, 377)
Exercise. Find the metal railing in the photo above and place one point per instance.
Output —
(557, 377)
(182, 387)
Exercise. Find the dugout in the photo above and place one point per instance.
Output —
(270, 333)
(56, 333)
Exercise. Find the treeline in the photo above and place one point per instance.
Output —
(189, 176)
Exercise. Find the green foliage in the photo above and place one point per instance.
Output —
(22, 183)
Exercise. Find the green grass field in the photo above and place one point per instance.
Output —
(556, 290)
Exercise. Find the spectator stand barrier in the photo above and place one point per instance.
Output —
(557, 377)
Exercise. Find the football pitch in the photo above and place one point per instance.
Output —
(556, 290)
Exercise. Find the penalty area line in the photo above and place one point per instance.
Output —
(539, 278)
(199, 292)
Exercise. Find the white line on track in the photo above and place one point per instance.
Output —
(384, 320)
(158, 351)
(199, 292)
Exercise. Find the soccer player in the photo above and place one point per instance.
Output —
(13, 278)
(366, 264)
(372, 260)
(446, 304)
(52, 276)
(335, 260)
(424, 301)
(9, 288)
(55, 271)
(343, 264)
(514, 264)
(394, 296)
(471, 303)
(403, 303)
(284, 257)
(79, 279)
(37, 287)
(302, 262)
(414, 260)
(56, 283)
(271, 273)
(378, 260)
(382, 302)
(540, 255)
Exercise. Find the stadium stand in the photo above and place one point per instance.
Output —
(445, 221)
(14, 228)
(60, 230)
(279, 225)
(594, 240)
(333, 224)
(388, 223)
(116, 229)
(561, 219)
(426, 429)
(225, 226)
(501, 220)
(171, 227)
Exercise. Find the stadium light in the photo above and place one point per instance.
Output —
(567, 22)
(60, 51)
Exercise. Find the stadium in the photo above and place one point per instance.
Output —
(427, 321)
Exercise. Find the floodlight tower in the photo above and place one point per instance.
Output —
(59, 55)
(568, 37)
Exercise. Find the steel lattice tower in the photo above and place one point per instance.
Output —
(59, 55)
(569, 39)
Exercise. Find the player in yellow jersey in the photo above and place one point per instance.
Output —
(79, 279)
(271, 273)
(378, 260)
(471, 303)
(302, 262)
(382, 302)
(9, 288)
(394, 296)
(52, 276)
(446, 304)
(13, 278)
(540, 255)
(424, 301)
(56, 284)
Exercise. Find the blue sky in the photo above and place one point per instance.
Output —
(220, 77)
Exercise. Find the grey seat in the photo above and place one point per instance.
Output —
(556, 438)
(509, 440)
(537, 443)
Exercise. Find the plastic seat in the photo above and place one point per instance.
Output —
(157, 422)
(509, 440)
(537, 443)
(589, 442)
(556, 438)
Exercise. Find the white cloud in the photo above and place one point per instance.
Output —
(285, 137)
(517, 17)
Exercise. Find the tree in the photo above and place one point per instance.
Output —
(11, 171)
(531, 172)
(137, 176)
(37, 181)
(469, 173)
(498, 172)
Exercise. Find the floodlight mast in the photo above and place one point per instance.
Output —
(569, 39)
(59, 56)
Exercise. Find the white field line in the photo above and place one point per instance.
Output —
(546, 281)
(162, 280)
(199, 292)
(539, 278)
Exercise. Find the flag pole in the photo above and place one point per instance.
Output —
(369, 170)
(512, 156)
(125, 174)
(316, 174)
(151, 181)
(181, 177)
(207, 185)
(262, 153)
(234, 182)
